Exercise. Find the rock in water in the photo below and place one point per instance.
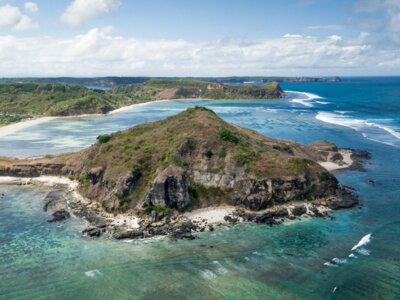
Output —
(60, 215)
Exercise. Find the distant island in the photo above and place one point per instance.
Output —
(167, 177)
(19, 101)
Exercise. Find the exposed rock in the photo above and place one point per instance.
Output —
(92, 232)
(170, 189)
(128, 234)
(55, 200)
(94, 174)
(60, 215)
(299, 210)
(359, 157)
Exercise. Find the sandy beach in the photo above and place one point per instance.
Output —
(332, 166)
(212, 215)
(11, 128)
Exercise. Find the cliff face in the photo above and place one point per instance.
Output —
(192, 160)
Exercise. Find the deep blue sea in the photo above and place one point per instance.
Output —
(308, 259)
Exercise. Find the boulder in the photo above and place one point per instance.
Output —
(299, 210)
(92, 231)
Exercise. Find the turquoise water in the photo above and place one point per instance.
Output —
(40, 260)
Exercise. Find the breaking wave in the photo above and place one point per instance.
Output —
(307, 100)
(369, 129)
(365, 240)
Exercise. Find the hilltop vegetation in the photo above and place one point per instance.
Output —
(54, 99)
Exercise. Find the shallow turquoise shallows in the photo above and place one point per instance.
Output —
(309, 259)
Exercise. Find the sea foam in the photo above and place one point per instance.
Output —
(365, 240)
(366, 127)
(93, 273)
(307, 100)
(363, 251)
(207, 274)
(339, 261)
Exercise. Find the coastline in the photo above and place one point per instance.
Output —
(176, 225)
(11, 128)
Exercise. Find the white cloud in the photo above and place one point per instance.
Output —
(81, 11)
(381, 14)
(288, 35)
(12, 18)
(31, 7)
(326, 27)
(100, 53)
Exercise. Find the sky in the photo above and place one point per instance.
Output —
(89, 38)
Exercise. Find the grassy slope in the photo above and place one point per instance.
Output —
(21, 100)
(151, 147)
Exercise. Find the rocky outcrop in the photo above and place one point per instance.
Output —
(260, 194)
(170, 189)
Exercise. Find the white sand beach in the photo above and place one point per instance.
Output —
(11, 128)
(332, 166)
(14, 127)
(212, 215)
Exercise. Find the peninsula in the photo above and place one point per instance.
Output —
(160, 174)
(19, 101)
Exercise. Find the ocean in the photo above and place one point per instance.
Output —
(354, 255)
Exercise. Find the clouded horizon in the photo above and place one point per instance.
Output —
(199, 38)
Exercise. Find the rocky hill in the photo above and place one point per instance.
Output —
(194, 160)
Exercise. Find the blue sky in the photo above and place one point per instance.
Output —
(199, 38)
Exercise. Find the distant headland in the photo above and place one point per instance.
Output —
(21, 101)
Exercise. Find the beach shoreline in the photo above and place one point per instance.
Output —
(333, 166)
(14, 127)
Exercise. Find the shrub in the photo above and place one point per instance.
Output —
(159, 208)
(85, 182)
(189, 208)
(148, 209)
(325, 176)
(222, 153)
(193, 195)
(103, 138)
(191, 143)
(229, 136)
(243, 156)
(284, 148)
(136, 172)
(208, 154)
